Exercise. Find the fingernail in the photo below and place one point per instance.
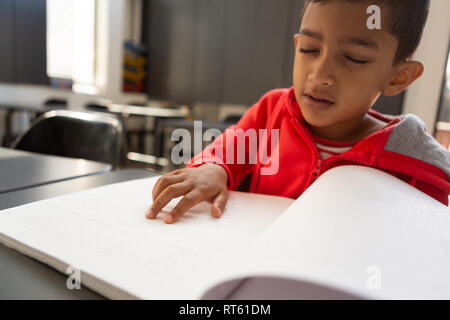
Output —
(149, 214)
(168, 219)
(218, 212)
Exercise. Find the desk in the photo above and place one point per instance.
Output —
(20, 169)
(24, 278)
(157, 113)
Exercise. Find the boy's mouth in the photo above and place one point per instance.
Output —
(317, 101)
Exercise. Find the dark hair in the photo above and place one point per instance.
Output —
(407, 20)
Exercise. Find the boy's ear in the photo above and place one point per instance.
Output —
(407, 72)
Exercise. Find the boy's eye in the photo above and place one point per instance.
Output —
(307, 51)
(356, 61)
(346, 56)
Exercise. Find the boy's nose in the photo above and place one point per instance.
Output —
(321, 74)
(323, 81)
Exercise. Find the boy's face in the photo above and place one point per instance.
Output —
(339, 59)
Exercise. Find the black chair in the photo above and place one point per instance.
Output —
(56, 103)
(90, 136)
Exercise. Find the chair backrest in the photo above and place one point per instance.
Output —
(90, 136)
(56, 103)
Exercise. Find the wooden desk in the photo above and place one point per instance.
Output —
(21, 170)
(24, 278)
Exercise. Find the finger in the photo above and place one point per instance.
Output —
(189, 200)
(172, 173)
(218, 204)
(175, 172)
(163, 183)
(172, 191)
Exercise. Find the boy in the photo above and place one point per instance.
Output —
(325, 120)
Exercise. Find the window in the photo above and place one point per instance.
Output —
(71, 41)
(444, 108)
(443, 124)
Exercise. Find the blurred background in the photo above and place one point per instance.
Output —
(152, 66)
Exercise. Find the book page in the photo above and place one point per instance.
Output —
(120, 253)
(355, 230)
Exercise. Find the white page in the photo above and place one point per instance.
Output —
(104, 232)
(357, 230)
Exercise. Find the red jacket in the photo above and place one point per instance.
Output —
(402, 148)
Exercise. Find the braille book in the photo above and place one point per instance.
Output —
(355, 233)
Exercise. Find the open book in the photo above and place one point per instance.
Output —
(355, 233)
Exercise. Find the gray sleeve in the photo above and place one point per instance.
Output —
(410, 138)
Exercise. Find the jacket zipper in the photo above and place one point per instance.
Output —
(324, 164)
(321, 165)
(362, 163)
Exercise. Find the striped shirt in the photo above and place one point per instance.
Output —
(328, 148)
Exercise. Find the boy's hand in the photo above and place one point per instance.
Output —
(205, 183)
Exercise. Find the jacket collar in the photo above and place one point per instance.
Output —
(377, 139)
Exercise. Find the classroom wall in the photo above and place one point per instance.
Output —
(219, 51)
(422, 99)
(224, 51)
(23, 41)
